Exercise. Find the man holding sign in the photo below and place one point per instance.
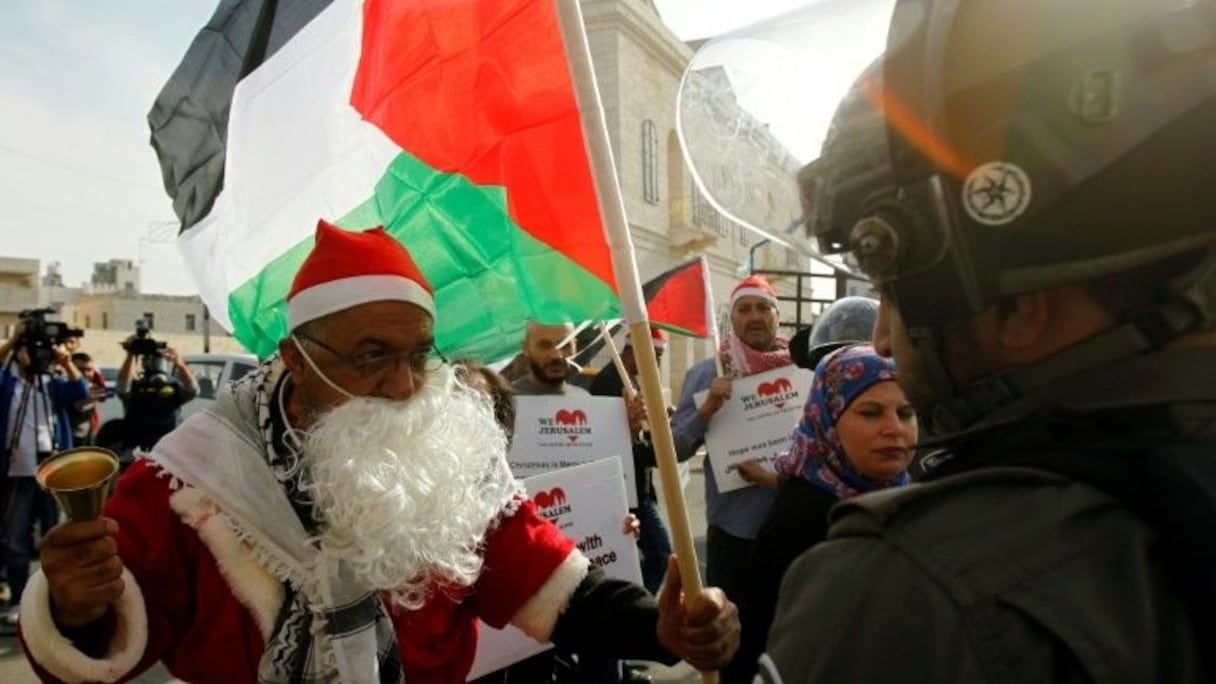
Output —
(751, 347)
(547, 349)
(559, 424)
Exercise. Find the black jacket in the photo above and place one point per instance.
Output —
(152, 410)
(1065, 544)
(797, 521)
(607, 383)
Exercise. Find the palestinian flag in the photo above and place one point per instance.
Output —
(680, 299)
(453, 124)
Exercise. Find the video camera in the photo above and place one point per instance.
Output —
(40, 336)
(152, 375)
(143, 345)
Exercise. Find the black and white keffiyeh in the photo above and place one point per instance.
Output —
(330, 627)
(305, 635)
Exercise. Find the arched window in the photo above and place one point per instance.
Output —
(650, 162)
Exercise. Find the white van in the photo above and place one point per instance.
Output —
(213, 372)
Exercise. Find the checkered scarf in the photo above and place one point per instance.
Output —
(739, 359)
(330, 628)
(339, 632)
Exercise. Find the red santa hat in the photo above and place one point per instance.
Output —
(753, 286)
(348, 268)
(658, 337)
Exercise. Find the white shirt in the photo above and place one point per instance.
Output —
(35, 434)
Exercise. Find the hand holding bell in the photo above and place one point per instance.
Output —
(80, 557)
(80, 480)
(83, 571)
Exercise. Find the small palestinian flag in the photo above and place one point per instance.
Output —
(453, 124)
(680, 299)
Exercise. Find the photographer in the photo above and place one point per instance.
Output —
(84, 412)
(85, 421)
(34, 423)
(152, 400)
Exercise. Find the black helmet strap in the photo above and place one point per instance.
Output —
(994, 399)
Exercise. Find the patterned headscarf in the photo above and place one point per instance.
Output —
(816, 453)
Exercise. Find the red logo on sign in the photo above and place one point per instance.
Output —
(549, 499)
(575, 417)
(778, 386)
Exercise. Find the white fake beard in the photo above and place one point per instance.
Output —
(407, 489)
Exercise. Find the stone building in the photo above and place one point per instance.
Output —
(107, 308)
(182, 321)
(639, 63)
(18, 289)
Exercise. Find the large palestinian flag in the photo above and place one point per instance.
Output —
(454, 124)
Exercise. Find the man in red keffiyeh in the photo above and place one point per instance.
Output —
(752, 346)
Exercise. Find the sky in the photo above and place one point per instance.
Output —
(79, 182)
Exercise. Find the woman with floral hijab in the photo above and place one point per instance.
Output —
(857, 434)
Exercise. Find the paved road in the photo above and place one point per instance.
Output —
(15, 670)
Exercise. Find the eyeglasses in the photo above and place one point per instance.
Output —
(377, 364)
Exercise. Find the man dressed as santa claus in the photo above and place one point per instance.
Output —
(344, 514)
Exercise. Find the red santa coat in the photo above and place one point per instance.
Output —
(210, 606)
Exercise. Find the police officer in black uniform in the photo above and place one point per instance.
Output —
(1029, 183)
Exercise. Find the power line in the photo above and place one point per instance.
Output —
(76, 169)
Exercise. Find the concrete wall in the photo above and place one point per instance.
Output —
(119, 312)
(18, 287)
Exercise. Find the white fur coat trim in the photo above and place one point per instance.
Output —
(61, 658)
(251, 584)
(538, 616)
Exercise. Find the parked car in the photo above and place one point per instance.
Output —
(110, 373)
(212, 372)
(109, 410)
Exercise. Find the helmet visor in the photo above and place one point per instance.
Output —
(755, 105)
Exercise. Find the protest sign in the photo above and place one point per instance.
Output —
(559, 431)
(587, 502)
(755, 423)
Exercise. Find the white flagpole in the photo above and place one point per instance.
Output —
(574, 333)
(601, 334)
(626, 381)
(629, 284)
(712, 317)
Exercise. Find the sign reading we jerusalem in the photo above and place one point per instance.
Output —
(587, 503)
(559, 431)
(755, 423)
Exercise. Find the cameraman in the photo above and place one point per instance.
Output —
(85, 421)
(34, 423)
(151, 401)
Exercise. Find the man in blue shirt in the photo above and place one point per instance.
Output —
(34, 423)
(752, 346)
